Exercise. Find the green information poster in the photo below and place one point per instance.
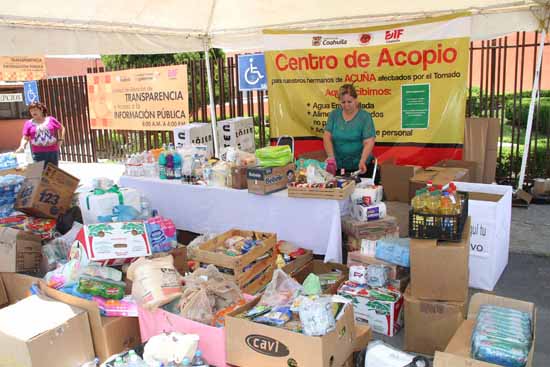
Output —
(415, 106)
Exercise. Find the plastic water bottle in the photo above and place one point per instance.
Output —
(119, 362)
(186, 362)
(134, 360)
(177, 165)
(162, 163)
(198, 361)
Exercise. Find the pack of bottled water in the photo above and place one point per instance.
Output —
(8, 161)
(9, 187)
(502, 336)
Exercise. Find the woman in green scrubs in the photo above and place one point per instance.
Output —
(349, 134)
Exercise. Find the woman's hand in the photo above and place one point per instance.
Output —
(362, 167)
(19, 150)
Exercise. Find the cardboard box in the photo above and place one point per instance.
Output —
(13, 171)
(252, 344)
(111, 243)
(40, 332)
(431, 324)
(490, 211)
(196, 133)
(17, 286)
(395, 180)
(439, 269)
(19, 251)
(384, 317)
(438, 176)
(400, 211)
(458, 351)
(238, 178)
(237, 132)
(481, 146)
(319, 267)
(372, 230)
(46, 192)
(469, 165)
(110, 335)
(396, 271)
(267, 180)
(3, 294)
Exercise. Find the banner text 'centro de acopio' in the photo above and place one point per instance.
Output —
(139, 99)
(411, 78)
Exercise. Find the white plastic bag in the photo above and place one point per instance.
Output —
(156, 282)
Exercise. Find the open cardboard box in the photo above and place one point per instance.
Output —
(458, 351)
(40, 332)
(252, 344)
(319, 267)
(110, 335)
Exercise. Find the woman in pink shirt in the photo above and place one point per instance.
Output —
(45, 134)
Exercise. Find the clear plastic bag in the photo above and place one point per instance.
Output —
(281, 291)
(198, 307)
(316, 316)
(274, 156)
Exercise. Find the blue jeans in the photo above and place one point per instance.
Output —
(46, 157)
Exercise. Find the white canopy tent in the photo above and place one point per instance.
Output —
(58, 27)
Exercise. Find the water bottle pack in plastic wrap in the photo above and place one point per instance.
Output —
(9, 187)
(8, 161)
(502, 336)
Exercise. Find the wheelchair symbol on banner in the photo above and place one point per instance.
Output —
(252, 74)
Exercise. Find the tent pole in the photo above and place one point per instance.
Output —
(534, 95)
(211, 96)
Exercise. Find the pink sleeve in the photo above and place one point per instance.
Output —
(27, 128)
(56, 125)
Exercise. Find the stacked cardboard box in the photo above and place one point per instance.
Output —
(436, 299)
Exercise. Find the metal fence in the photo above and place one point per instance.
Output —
(500, 84)
(500, 81)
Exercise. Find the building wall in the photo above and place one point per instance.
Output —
(70, 66)
(10, 134)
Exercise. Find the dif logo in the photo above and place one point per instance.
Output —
(394, 35)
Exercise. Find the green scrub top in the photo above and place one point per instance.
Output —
(348, 137)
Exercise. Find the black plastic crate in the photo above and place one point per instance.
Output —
(439, 226)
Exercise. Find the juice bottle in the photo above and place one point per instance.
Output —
(455, 199)
(433, 202)
(415, 201)
(445, 204)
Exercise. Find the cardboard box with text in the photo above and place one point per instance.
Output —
(267, 180)
(19, 251)
(253, 344)
(46, 192)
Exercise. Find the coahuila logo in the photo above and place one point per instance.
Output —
(329, 41)
(266, 345)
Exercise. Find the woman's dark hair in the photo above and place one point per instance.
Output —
(41, 106)
(347, 89)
